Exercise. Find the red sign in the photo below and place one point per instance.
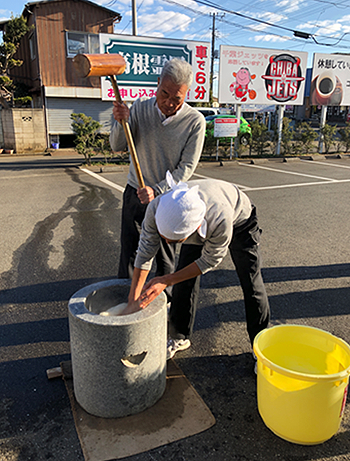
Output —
(201, 61)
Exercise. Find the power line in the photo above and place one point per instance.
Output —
(250, 18)
(235, 25)
(337, 5)
(186, 7)
(298, 34)
(240, 26)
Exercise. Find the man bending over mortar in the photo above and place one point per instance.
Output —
(208, 217)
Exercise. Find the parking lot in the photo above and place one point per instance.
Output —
(60, 232)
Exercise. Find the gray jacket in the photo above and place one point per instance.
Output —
(227, 207)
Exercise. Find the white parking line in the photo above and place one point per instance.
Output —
(244, 188)
(286, 186)
(326, 164)
(240, 186)
(102, 179)
(286, 172)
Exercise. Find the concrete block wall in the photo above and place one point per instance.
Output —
(24, 130)
(8, 129)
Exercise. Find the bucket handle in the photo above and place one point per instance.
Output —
(342, 376)
(338, 383)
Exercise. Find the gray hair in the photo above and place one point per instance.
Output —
(179, 72)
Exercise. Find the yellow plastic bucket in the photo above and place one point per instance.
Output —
(302, 382)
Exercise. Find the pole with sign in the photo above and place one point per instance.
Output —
(261, 76)
(225, 127)
(238, 115)
(279, 129)
(323, 118)
(330, 85)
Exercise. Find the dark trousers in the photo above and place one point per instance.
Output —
(244, 250)
(133, 213)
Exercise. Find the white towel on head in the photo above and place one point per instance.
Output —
(180, 211)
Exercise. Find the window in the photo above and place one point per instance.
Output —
(32, 47)
(78, 42)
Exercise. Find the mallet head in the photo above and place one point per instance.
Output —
(99, 65)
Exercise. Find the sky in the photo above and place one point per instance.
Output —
(252, 23)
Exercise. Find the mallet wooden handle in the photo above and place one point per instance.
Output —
(128, 135)
(100, 65)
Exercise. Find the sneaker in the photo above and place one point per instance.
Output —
(175, 345)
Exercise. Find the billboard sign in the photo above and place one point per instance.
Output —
(261, 76)
(330, 81)
(145, 58)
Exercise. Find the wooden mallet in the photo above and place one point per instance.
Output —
(102, 65)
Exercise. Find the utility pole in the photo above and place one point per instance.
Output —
(212, 57)
(134, 18)
(212, 61)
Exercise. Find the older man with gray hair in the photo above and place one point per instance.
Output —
(168, 135)
(209, 217)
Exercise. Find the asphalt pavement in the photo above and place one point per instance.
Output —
(60, 229)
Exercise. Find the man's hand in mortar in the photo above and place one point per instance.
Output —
(153, 289)
(155, 286)
(132, 307)
(145, 195)
(146, 293)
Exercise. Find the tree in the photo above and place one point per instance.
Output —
(344, 134)
(328, 132)
(210, 141)
(306, 136)
(287, 136)
(260, 137)
(85, 129)
(15, 29)
(103, 146)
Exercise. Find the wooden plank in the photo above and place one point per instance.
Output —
(54, 372)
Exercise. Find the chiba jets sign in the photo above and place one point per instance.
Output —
(283, 78)
(261, 76)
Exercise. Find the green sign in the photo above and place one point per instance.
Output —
(145, 61)
(145, 58)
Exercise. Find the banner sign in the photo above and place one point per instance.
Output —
(225, 127)
(330, 81)
(261, 76)
(145, 58)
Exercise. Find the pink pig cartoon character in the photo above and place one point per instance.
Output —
(240, 87)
